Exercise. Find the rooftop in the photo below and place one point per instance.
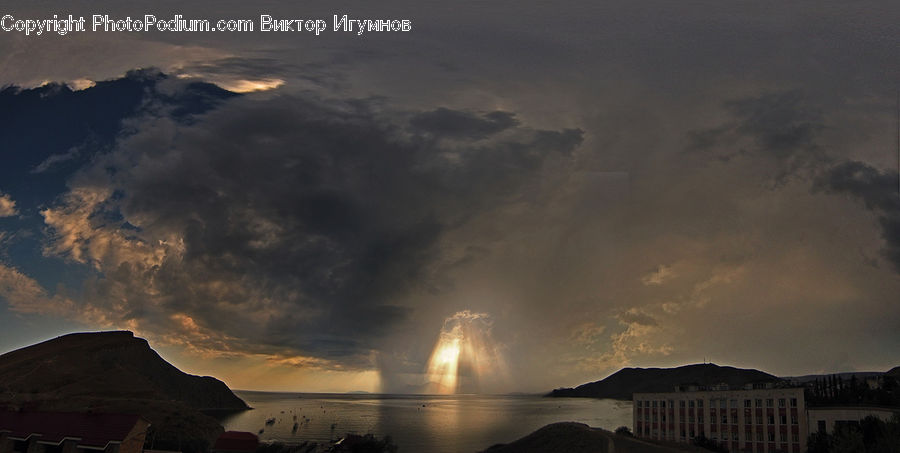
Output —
(236, 441)
(93, 430)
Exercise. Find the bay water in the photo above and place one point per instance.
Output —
(418, 423)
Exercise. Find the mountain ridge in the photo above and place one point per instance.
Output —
(116, 372)
(624, 383)
(75, 364)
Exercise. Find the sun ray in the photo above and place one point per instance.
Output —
(464, 355)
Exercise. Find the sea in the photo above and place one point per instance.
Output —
(417, 423)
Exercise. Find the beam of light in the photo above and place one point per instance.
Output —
(444, 363)
(465, 357)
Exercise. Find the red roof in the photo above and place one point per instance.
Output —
(236, 441)
(95, 430)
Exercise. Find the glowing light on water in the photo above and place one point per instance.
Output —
(465, 356)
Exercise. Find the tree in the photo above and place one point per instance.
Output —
(818, 442)
(848, 439)
(872, 435)
(702, 442)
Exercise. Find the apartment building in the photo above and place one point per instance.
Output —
(759, 420)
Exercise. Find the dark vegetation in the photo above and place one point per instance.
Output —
(562, 437)
(871, 435)
(351, 443)
(706, 444)
(836, 390)
(570, 437)
(365, 444)
(278, 447)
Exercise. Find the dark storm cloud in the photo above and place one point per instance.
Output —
(878, 190)
(781, 125)
(773, 86)
(786, 126)
(444, 122)
(304, 221)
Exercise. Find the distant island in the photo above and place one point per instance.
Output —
(116, 372)
(625, 382)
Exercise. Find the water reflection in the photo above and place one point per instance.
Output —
(445, 423)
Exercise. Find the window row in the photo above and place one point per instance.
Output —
(720, 402)
(761, 436)
(770, 419)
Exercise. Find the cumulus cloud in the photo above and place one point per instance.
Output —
(83, 232)
(23, 294)
(444, 122)
(637, 341)
(636, 316)
(638, 335)
(7, 206)
(588, 335)
(642, 337)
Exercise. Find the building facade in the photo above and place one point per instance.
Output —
(764, 420)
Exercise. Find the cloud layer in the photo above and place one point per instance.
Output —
(616, 184)
(287, 224)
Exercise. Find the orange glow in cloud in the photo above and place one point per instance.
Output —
(236, 85)
(247, 86)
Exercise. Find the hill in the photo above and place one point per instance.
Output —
(623, 383)
(114, 372)
(573, 437)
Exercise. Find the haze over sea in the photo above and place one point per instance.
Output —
(418, 423)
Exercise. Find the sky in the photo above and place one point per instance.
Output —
(507, 197)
